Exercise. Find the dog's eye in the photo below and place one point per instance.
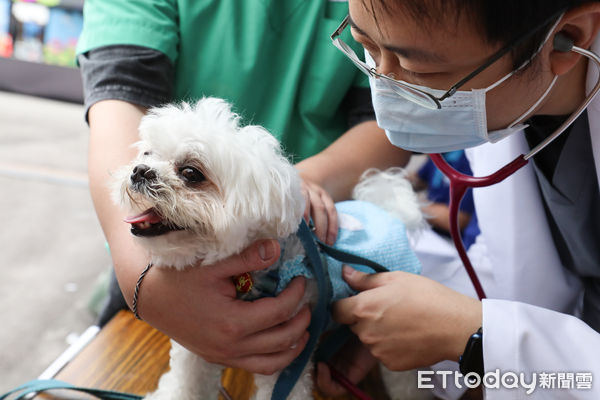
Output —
(191, 175)
(147, 153)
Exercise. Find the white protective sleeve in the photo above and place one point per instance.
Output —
(558, 354)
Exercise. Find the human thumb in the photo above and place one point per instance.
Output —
(358, 280)
(259, 255)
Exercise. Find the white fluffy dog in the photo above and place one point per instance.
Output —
(202, 189)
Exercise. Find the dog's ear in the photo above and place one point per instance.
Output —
(273, 180)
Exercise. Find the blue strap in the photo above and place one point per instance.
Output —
(334, 341)
(320, 314)
(45, 385)
(290, 375)
(350, 258)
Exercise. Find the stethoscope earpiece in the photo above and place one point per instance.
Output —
(563, 43)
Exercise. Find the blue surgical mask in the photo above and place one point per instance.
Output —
(460, 123)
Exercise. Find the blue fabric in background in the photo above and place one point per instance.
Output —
(4, 17)
(438, 190)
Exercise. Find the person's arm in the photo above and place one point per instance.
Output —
(338, 167)
(196, 307)
(330, 175)
(437, 216)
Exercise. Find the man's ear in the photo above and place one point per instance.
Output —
(581, 25)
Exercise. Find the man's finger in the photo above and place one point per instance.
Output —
(259, 255)
(361, 281)
(282, 337)
(306, 194)
(268, 364)
(326, 383)
(343, 311)
(268, 312)
(320, 220)
(332, 219)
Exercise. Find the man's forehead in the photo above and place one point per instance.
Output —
(407, 51)
(398, 32)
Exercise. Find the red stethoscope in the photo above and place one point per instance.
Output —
(459, 182)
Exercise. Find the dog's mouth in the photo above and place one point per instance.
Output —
(150, 223)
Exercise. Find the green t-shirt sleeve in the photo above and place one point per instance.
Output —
(147, 23)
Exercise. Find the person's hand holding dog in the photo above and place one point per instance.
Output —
(261, 336)
(321, 208)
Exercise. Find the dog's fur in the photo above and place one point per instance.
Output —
(243, 189)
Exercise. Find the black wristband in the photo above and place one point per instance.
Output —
(472, 358)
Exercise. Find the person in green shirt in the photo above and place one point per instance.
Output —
(274, 61)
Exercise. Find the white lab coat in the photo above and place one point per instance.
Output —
(528, 321)
(517, 336)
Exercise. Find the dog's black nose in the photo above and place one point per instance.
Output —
(142, 172)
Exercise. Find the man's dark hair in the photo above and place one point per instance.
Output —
(500, 21)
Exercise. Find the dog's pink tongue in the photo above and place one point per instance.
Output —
(147, 216)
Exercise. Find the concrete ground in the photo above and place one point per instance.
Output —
(51, 247)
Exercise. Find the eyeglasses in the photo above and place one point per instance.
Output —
(417, 95)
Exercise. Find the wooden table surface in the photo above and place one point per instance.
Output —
(129, 356)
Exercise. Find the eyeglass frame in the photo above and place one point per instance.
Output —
(371, 71)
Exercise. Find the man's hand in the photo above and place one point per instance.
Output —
(354, 361)
(198, 308)
(408, 321)
(320, 206)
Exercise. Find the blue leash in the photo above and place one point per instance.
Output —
(289, 376)
(45, 385)
(320, 314)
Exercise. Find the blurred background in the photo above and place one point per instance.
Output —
(52, 253)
